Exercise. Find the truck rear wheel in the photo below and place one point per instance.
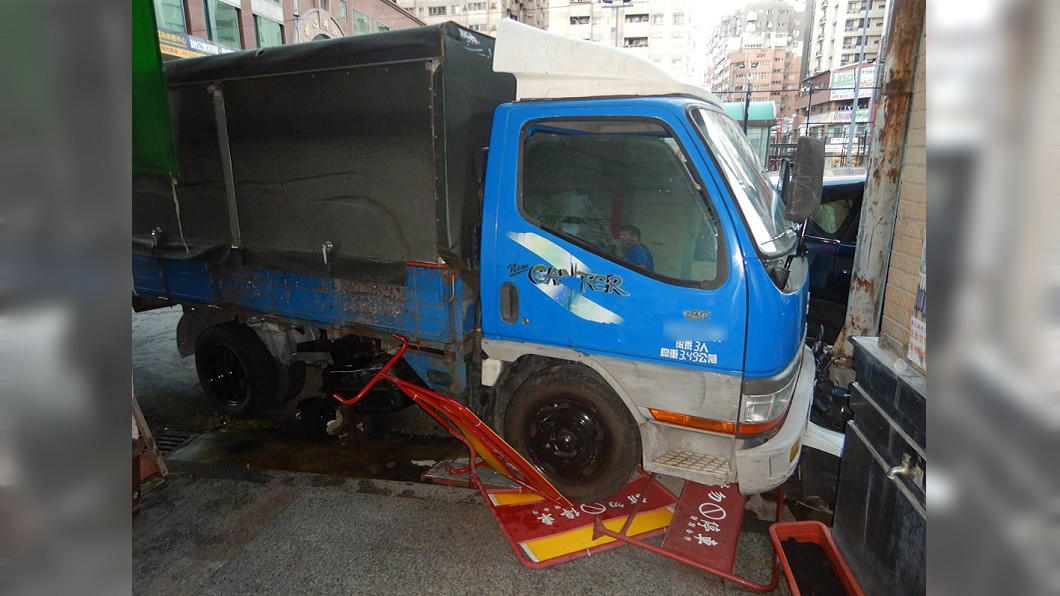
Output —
(235, 369)
(569, 423)
(290, 379)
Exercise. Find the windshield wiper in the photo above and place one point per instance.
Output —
(789, 230)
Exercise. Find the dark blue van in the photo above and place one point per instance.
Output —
(831, 239)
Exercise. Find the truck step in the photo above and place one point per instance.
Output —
(684, 460)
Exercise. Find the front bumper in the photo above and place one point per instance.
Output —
(768, 465)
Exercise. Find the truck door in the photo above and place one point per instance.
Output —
(602, 234)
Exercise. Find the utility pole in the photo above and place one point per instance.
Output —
(876, 229)
(616, 5)
(857, 83)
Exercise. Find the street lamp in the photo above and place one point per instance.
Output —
(808, 87)
(747, 98)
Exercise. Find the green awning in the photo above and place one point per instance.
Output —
(152, 142)
(761, 113)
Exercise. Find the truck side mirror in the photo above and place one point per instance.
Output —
(801, 182)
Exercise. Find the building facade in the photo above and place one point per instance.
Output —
(759, 48)
(836, 32)
(662, 31)
(189, 28)
(481, 16)
(826, 106)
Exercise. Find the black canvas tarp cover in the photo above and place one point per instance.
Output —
(365, 142)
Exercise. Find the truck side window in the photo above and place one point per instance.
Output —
(622, 189)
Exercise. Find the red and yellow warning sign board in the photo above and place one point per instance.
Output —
(543, 533)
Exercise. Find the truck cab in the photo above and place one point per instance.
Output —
(690, 362)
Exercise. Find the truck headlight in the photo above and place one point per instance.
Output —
(764, 412)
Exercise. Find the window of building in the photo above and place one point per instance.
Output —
(362, 25)
(579, 20)
(324, 5)
(679, 18)
(476, 6)
(170, 15)
(268, 33)
(636, 18)
(379, 27)
(343, 10)
(635, 42)
(657, 19)
(436, 11)
(570, 171)
(454, 9)
(222, 23)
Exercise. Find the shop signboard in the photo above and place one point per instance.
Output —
(842, 82)
(182, 45)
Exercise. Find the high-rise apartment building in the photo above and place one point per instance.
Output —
(836, 32)
(759, 46)
(479, 16)
(662, 31)
(188, 28)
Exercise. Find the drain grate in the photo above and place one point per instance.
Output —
(171, 439)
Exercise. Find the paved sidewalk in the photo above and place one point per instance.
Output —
(221, 529)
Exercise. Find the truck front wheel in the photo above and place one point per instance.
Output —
(235, 369)
(568, 422)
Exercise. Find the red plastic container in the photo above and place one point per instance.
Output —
(817, 533)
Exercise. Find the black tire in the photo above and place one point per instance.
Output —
(289, 381)
(235, 369)
(569, 423)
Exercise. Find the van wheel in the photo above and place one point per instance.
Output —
(235, 369)
(289, 381)
(570, 424)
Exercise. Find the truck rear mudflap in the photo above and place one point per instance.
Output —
(768, 465)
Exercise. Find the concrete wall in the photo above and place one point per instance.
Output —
(910, 226)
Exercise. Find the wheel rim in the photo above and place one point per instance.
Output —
(568, 439)
(226, 375)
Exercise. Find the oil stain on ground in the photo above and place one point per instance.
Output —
(362, 453)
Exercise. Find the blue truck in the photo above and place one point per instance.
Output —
(493, 203)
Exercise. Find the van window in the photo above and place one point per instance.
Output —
(624, 190)
(840, 204)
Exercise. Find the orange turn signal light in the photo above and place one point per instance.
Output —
(716, 426)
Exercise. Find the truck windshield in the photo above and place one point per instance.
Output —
(755, 195)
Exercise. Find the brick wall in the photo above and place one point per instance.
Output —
(904, 270)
